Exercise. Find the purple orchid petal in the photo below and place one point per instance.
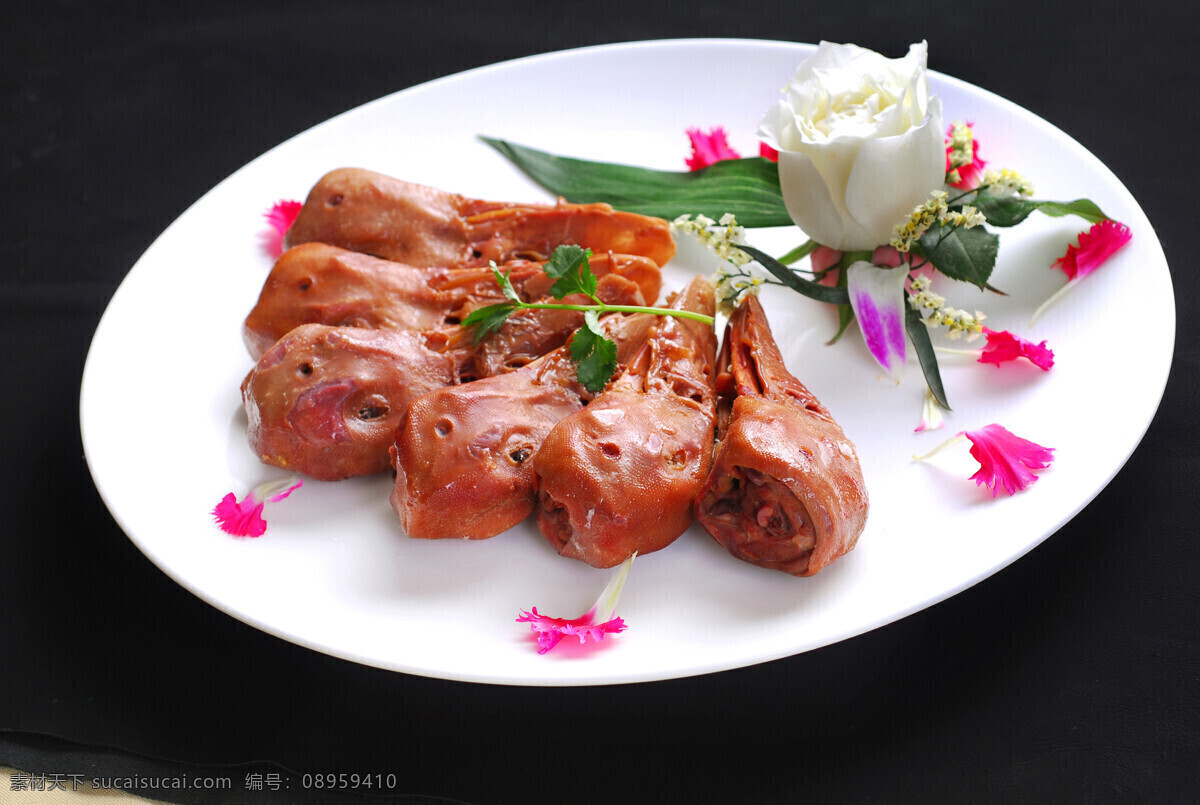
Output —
(877, 297)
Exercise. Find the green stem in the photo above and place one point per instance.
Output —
(969, 353)
(800, 252)
(955, 439)
(850, 258)
(603, 308)
(965, 193)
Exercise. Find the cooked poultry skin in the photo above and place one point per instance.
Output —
(325, 401)
(621, 475)
(786, 489)
(464, 454)
(316, 283)
(369, 212)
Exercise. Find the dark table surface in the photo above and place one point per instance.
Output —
(1072, 674)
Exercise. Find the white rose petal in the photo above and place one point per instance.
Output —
(860, 143)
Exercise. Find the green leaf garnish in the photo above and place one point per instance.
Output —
(845, 312)
(748, 188)
(487, 320)
(505, 284)
(569, 267)
(962, 254)
(595, 354)
(788, 277)
(1008, 210)
(800, 252)
(918, 333)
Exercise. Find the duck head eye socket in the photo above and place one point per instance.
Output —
(372, 411)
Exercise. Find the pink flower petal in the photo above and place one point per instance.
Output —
(1095, 246)
(240, 518)
(281, 216)
(595, 623)
(931, 415)
(244, 518)
(877, 297)
(551, 630)
(886, 256)
(969, 175)
(822, 260)
(767, 152)
(275, 491)
(1004, 346)
(709, 148)
(1006, 459)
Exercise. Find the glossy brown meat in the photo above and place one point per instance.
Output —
(464, 454)
(326, 401)
(530, 334)
(621, 475)
(786, 490)
(315, 283)
(368, 212)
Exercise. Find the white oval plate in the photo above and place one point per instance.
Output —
(163, 429)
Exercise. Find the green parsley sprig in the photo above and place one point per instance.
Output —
(594, 353)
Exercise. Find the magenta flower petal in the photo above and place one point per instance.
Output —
(709, 148)
(886, 257)
(275, 491)
(823, 259)
(597, 622)
(281, 216)
(969, 175)
(551, 630)
(1095, 246)
(240, 518)
(243, 518)
(1006, 459)
(1004, 346)
(877, 297)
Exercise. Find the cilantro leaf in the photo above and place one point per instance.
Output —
(505, 284)
(487, 320)
(594, 354)
(569, 267)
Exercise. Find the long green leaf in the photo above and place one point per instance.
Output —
(918, 333)
(1004, 210)
(748, 188)
(845, 312)
(813, 290)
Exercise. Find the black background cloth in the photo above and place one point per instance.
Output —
(1071, 675)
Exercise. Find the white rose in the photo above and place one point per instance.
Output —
(860, 144)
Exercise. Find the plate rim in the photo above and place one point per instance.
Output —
(88, 381)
